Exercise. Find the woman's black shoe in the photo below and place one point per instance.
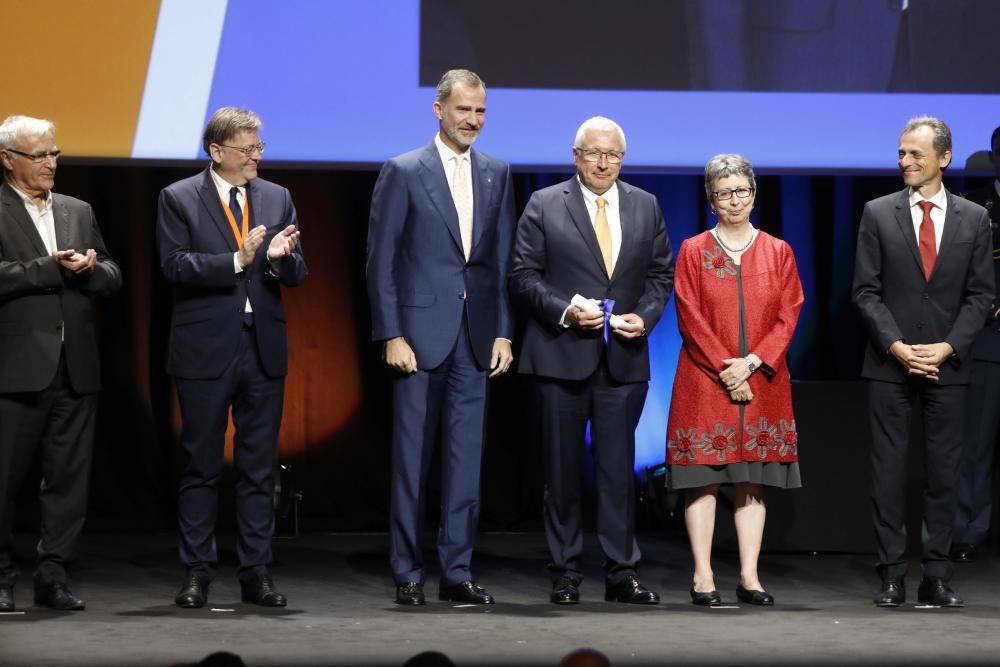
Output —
(712, 599)
(754, 597)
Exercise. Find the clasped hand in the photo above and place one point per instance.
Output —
(924, 359)
(71, 260)
(632, 326)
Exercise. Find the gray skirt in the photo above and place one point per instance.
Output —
(771, 473)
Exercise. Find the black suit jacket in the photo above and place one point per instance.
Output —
(196, 247)
(556, 255)
(43, 305)
(987, 344)
(897, 303)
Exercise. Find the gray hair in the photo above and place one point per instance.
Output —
(226, 123)
(942, 133)
(727, 164)
(453, 76)
(601, 124)
(15, 127)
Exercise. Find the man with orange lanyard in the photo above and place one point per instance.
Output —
(227, 242)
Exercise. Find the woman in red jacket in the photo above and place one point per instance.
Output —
(738, 298)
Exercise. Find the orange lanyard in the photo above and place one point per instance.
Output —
(240, 234)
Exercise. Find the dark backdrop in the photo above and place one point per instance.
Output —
(336, 429)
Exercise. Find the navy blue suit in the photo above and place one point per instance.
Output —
(219, 360)
(450, 311)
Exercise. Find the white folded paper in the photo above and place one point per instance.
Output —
(588, 306)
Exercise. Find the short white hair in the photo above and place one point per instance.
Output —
(15, 127)
(601, 124)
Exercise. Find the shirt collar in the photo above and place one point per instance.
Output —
(224, 186)
(611, 196)
(939, 200)
(446, 153)
(28, 201)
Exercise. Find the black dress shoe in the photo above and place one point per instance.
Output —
(710, 599)
(57, 596)
(934, 591)
(6, 598)
(194, 593)
(410, 593)
(762, 598)
(260, 590)
(963, 553)
(565, 590)
(630, 590)
(468, 592)
(893, 593)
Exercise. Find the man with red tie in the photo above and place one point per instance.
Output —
(923, 281)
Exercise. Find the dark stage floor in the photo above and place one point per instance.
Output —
(341, 612)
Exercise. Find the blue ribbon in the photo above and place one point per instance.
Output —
(607, 305)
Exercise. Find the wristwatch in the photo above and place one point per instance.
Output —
(750, 365)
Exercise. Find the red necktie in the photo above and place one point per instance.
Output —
(928, 247)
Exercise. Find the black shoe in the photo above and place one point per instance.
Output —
(963, 553)
(468, 592)
(934, 591)
(762, 598)
(260, 590)
(6, 598)
(630, 590)
(565, 590)
(893, 592)
(194, 592)
(57, 596)
(710, 599)
(410, 593)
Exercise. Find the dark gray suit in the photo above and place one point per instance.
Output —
(579, 377)
(898, 303)
(49, 372)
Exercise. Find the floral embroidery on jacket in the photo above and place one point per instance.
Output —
(682, 448)
(764, 437)
(718, 443)
(789, 439)
(717, 260)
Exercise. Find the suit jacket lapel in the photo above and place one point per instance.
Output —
(14, 210)
(482, 188)
(905, 221)
(209, 195)
(578, 214)
(436, 184)
(952, 219)
(60, 219)
(627, 220)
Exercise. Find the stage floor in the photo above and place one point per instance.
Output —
(341, 612)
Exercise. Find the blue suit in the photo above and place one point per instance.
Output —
(450, 311)
(219, 358)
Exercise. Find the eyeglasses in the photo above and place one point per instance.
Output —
(36, 157)
(248, 150)
(589, 155)
(727, 195)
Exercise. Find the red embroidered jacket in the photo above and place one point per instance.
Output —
(704, 425)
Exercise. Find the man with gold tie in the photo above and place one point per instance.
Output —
(593, 269)
(439, 235)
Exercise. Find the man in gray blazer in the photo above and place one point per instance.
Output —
(52, 259)
(923, 281)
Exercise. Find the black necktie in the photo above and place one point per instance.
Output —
(234, 205)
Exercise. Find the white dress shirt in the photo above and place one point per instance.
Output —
(44, 222)
(224, 187)
(448, 158)
(940, 201)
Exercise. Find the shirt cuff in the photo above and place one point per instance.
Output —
(562, 320)
(236, 262)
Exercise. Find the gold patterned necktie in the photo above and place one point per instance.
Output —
(463, 204)
(603, 230)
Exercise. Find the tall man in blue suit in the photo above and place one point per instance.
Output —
(600, 238)
(228, 242)
(439, 237)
